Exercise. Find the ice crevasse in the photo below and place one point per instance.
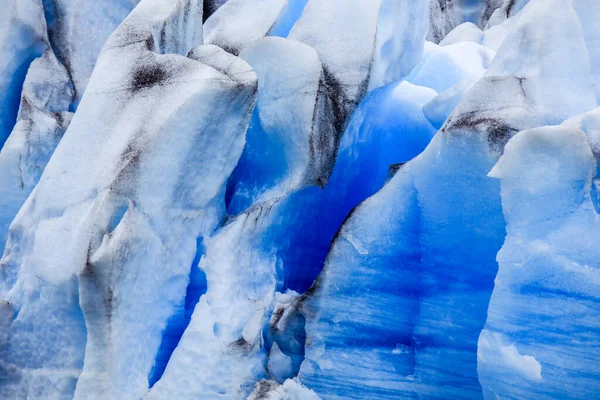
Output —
(299, 199)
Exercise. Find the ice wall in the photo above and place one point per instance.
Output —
(292, 199)
(455, 227)
(23, 38)
(541, 334)
(125, 270)
(445, 15)
(49, 50)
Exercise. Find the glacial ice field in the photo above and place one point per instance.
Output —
(299, 199)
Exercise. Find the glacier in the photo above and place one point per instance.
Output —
(299, 199)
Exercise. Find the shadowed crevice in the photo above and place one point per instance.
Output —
(178, 323)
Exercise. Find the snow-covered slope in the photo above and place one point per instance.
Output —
(299, 199)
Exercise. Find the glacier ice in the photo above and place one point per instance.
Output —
(588, 12)
(465, 32)
(286, 193)
(346, 44)
(210, 6)
(452, 59)
(445, 15)
(475, 131)
(239, 22)
(52, 60)
(541, 331)
(118, 222)
(370, 338)
(589, 123)
(299, 199)
(291, 389)
(236, 249)
(224, 338)
(23, 38)
(401, 28)
(288, 18)
(69, 26)
(296, 145)
(41, 122)
(74, 30)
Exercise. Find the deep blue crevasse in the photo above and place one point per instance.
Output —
(384, 130)
(268, 167)
(387, 128)
(28, 48)
(289, 16)
(178, 323)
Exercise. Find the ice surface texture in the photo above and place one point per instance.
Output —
(299, 199)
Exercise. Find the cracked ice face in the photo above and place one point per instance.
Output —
(299, 199)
